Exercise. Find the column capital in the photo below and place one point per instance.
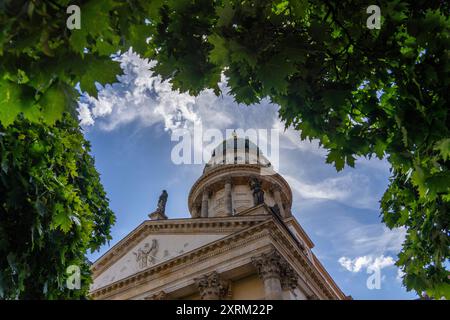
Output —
(273, 265)
(212, 286)
(268, 265)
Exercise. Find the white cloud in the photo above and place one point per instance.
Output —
(368, 262)
(330, 188)
(137, 96)
(143, 97)
(352, 188)
(85, 115)
(369, 238)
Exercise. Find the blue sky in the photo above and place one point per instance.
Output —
(130, 126)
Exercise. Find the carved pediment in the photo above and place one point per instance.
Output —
(155, 242)
(150, 251)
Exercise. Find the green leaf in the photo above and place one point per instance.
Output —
(99, 70)
(443, 146)
(418, 178)
(13, 100)
(335, 98)
(219, 54)
(274, 74)
(54, 102)
(379, 148)
(61, 218)
(336, 157)
(94, 22)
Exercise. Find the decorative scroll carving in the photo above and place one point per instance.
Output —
(212, 286)
(146, 256)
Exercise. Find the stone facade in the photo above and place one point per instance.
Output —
(241, 242)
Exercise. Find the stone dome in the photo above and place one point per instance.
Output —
(236, 151)
(236, 178)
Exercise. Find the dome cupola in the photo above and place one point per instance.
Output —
(237, 178)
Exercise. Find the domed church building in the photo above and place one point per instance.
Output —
(241, 241)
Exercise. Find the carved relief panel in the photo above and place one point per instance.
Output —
(146, 255)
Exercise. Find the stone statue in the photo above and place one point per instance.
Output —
(258, 193)
(162, 202)
(160, 212)
(146, 256)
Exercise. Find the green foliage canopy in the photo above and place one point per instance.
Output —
(41, 60)
(361, 92)
(53, 209)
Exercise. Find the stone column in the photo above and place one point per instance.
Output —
(205, 197)
(268, 267)
(212, 287)
(196, 211)
(228, 202)
(277, 197)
